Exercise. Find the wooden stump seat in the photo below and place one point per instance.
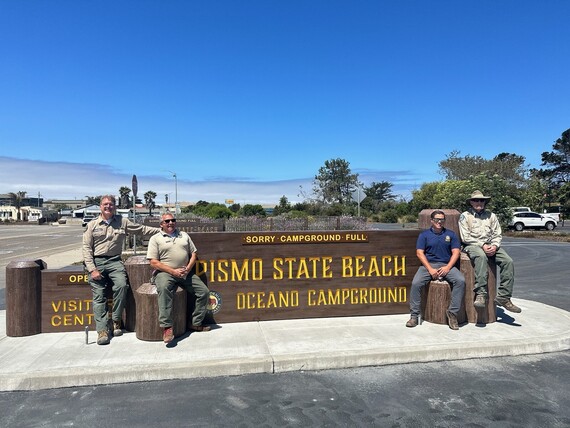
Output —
(139, 271)
(436, 297)
(147, 326)
(489, 313)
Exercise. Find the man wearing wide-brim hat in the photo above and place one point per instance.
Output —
(481, 235)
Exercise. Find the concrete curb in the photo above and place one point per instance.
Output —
(58, 360)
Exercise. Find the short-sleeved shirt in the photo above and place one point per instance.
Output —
(106, 238)
(437, 246)
(173, 251)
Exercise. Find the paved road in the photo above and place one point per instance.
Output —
(528, 391)
(34, 242)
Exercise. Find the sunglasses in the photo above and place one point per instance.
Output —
(170, 220)
(478, 200)
(438, 220)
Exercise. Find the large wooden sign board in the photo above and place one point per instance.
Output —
(270, 276)
(280, 275)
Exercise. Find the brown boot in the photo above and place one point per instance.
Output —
(412, 322)
(452, 321)
(102, 337)
(508, 305)
(480, 301)
(117, 328)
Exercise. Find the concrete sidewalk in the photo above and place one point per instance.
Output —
(57, 360)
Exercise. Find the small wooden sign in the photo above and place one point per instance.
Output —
(67, 300)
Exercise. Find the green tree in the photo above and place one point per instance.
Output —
(124, 199)
(534, 194)
(376, 194)
(249, 210)
(149, 201)
(219, 211)
(16, 200)
(234, 208)
(557, 162)
(93, 200)
(509, 166)
(211, 210)
(335, 182)
(283, 207)
(453, 194)
(423, 198)
(564, 198)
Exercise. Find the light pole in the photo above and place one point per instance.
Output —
(175, 192)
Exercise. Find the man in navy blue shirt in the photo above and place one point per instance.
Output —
(438, 249)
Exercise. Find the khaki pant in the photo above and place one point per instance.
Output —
(166, 286)
(506, 271)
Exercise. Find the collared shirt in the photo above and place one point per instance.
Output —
(173, 251)
(437, 246)
(480, 228)
(106, 239)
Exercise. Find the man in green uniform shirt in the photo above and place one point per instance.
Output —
(103, 241)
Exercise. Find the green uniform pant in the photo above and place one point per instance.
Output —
(506, 271)
(113, 274)
(166, 286)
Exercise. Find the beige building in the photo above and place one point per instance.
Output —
(10, 213)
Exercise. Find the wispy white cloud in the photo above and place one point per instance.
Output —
(68, 180)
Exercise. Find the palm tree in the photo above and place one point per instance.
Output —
(124, 200)
(16, 199)
(149, 200)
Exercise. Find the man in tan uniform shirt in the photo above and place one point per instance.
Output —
(103, 241)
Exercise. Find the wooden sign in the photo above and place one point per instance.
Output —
(269, 276)
(67, 300)
(283, 275)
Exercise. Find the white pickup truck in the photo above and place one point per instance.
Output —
(555, 216)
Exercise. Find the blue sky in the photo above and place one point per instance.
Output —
(247, 100)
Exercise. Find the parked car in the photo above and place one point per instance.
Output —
(87, 219)
(531, 220)
(521, 209)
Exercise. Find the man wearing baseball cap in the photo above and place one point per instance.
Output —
(481, 235)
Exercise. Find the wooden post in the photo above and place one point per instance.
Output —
(451, 219)
(489, 313)
(436, 297)
(148, 327)
(138, 271)
(23, 297)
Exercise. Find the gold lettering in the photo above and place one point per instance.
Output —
(222, 271)
(402, 268)
(347, 267)
(373, 269)
(385, 270)
(358, 266)
(311, 298)
(327, 273)
(356, 296)
(277, 271)
(261, 300)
